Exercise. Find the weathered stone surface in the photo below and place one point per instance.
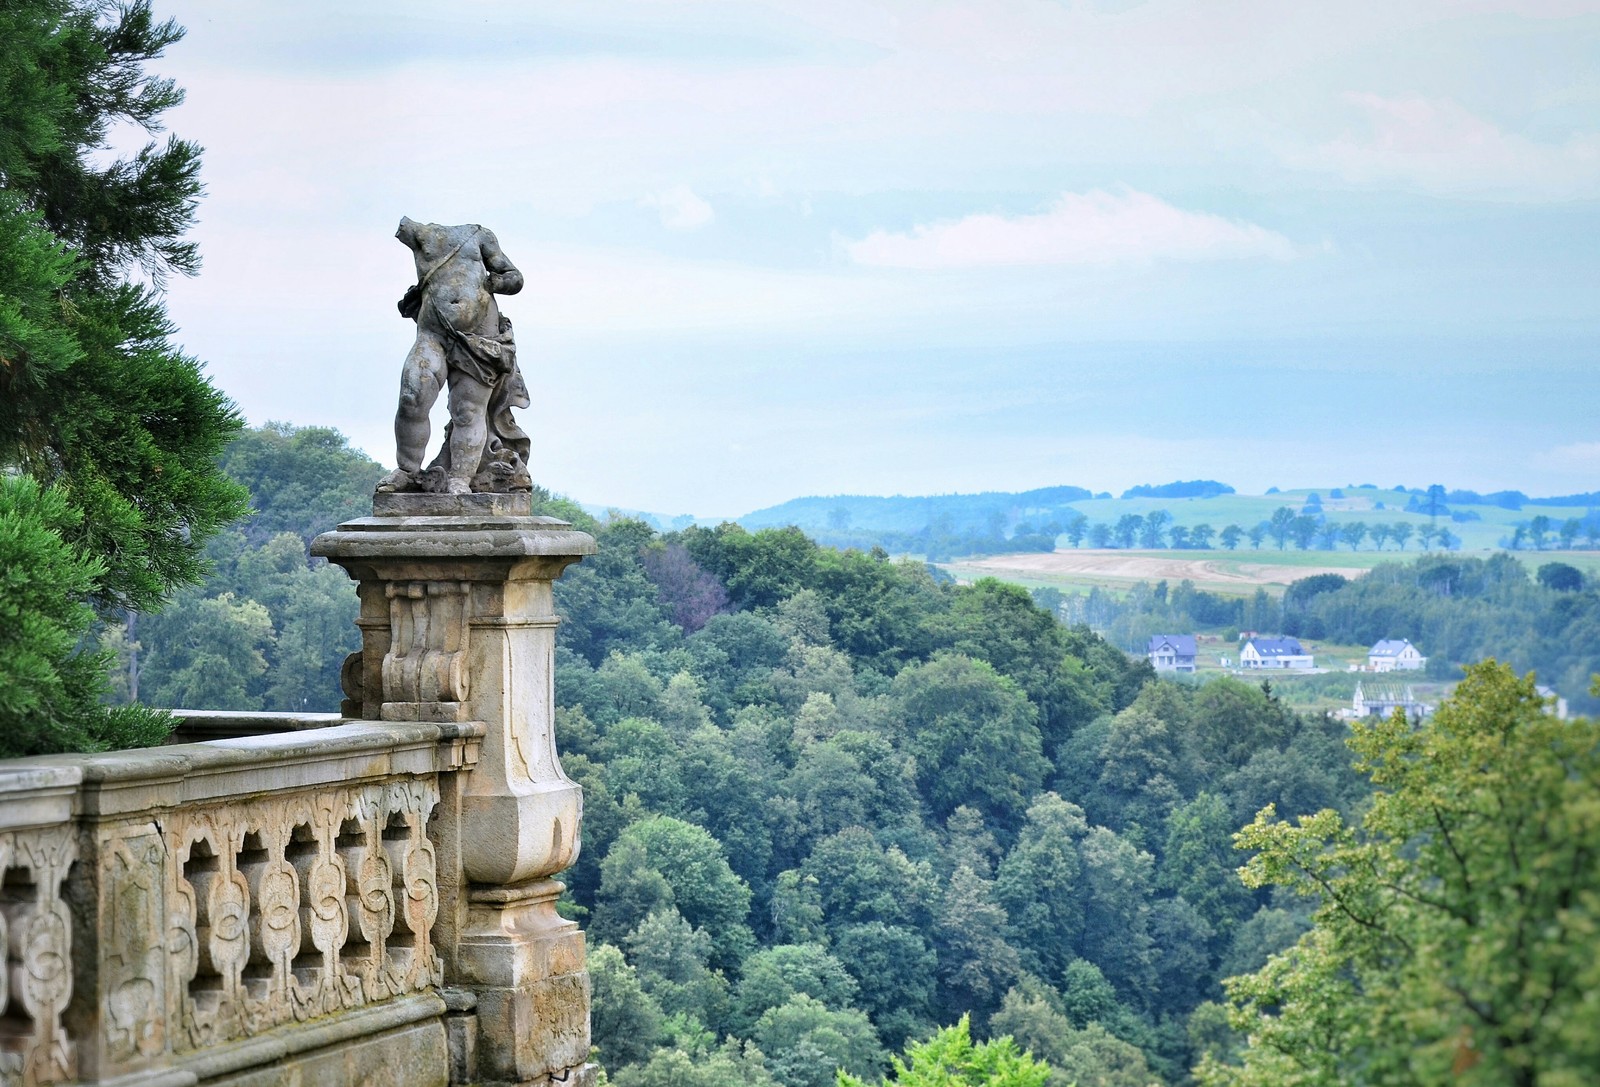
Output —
(286, 905)
(398, 504)
(458, 623)
(36, 938)
(197, 726)
(200, 909)
(527, 965)
(463, 340)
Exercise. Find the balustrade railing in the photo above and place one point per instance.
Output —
(163, 912)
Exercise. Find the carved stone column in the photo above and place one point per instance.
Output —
(458, 624)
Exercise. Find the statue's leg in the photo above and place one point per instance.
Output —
(420, 382)
(469, 429)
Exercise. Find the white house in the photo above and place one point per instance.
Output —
(1381, 699)
(1395, 655)
(1172, 652)
(1273, 653)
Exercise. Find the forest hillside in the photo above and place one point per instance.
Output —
(838, 806)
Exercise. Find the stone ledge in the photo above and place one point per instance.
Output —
(447, 538)
(149, 779)
(197, 726)
(413, 504)
(284, 1044)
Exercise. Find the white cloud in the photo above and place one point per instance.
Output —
(1096, 227)
(1573, 457)
(680, 208)
(1437, 146)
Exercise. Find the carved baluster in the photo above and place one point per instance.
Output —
(375, 894)
(413, 963)
(183, 943)
(38, 951)
(323, 907)
(134, 985)
(274, 917)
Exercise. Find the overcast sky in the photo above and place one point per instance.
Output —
(843, 246)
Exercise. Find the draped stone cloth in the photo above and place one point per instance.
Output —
(504, 464)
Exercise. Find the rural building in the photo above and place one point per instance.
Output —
(1380, 699)
(1273, 653)
(1172, 652)
(1395, 655)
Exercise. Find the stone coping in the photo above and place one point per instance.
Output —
(453, 537)
(286, 1042)
(37, 792)
(195, 726)
(146, 779)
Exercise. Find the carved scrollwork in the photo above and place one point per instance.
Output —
(131, 862)
(291, 909)
(38, 953)
(427, 658)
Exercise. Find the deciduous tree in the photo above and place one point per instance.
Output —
(951, 1059)
(1454, 936)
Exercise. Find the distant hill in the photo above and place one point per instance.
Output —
(900, 513)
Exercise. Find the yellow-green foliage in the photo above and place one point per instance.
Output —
(1454, 940)
(950, 1059)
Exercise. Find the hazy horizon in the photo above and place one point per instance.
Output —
(782, 249)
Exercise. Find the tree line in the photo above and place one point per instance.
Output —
(1306, 530)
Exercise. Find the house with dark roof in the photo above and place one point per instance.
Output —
(1273, 653)
(1379, 698)
(1395, 655)
(1172, 652)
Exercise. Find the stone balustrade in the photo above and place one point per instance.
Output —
(314, 898)
(182, 913)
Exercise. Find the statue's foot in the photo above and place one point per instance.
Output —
(397, 480)
(457, 486)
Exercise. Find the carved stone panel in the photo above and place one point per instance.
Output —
(34, 1047)
(132, 860)
(286, 910)
(427, 658)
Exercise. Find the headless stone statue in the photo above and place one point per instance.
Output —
(465, 343)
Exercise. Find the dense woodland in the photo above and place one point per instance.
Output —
(833, 801)
(836, 802)
(838, 807)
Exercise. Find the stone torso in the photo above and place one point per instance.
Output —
(459, 292)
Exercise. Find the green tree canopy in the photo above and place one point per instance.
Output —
(94, 396)
(951, 1059)
(975, 736)
(1454, 939)
(661, 861)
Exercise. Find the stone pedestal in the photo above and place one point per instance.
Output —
(458, 624)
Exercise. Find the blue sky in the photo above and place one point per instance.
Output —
(777, 249)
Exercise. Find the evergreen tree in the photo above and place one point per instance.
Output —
(96, 402)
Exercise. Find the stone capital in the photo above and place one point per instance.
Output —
(458, 624)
